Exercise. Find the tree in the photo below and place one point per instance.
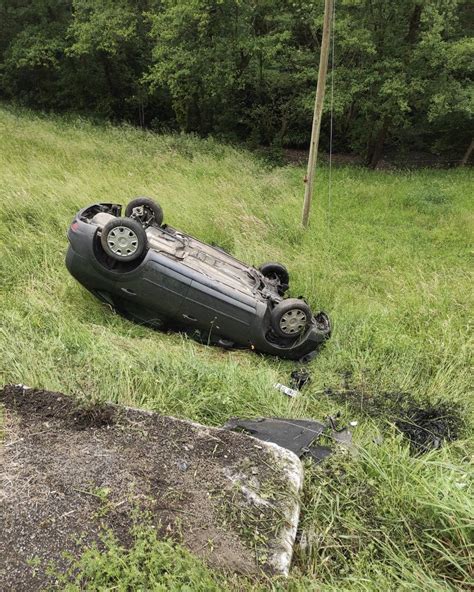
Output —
(32, 45)
(109, 39)
(397, 71)
(236, 66)
(245, 69)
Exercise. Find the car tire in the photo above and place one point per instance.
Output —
(290, 317)
(148, 212)
(123, 239)
(276, 272)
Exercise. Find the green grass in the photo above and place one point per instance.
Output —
(148, 564)
(387, 257)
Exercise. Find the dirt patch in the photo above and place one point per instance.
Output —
(68, 471)
(426, 425)
(427, 428)
(47, 406)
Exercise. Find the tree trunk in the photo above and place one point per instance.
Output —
(414, 27)
(283, 128)
(141, 113)
(112, 88)
(467, 154)
(376, 148)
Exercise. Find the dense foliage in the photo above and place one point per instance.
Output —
(246, 69)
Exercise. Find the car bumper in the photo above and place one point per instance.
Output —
(318, 332)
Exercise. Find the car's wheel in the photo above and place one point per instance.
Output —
(290, 317)
(123, 239)
(146, 211)
(275, 270)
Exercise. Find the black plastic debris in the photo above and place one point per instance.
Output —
(300, 378)
(319, 453)
(307, 358)
(298, 435)
(294, 434)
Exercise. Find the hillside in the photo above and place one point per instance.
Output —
(387, 257)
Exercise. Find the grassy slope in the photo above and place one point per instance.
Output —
(387, 259)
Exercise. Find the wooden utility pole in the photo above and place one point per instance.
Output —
(318, 109)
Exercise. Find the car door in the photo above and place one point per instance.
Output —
(212, 306)
(160, 288)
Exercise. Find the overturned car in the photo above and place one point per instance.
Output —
(162, 277)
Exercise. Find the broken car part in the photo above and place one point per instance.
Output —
(162, 277)
(300, 378)
(294, 434)
(319, 453)
(298, 435)
(286, 390)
